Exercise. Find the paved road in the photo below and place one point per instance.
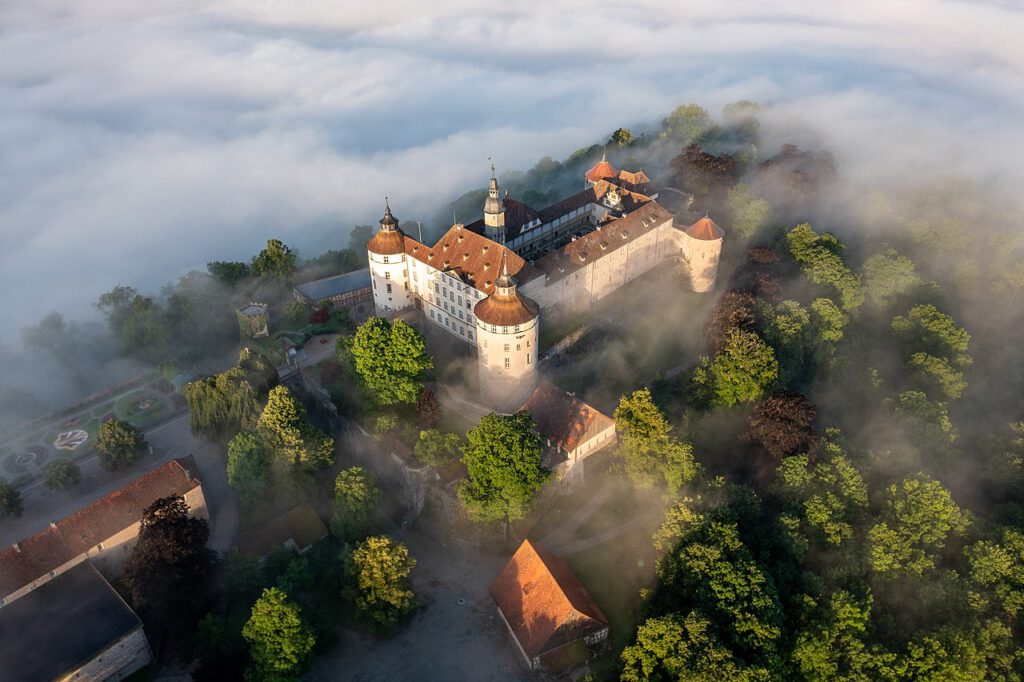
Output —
(169, 440)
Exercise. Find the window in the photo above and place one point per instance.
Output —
(460, 300)
(99, 547)
(506, 347)
(385, 259)
(437, 287)
(508, 363)
(462, 330)
(527, 343)
(460, 314)
(431, 314)
(517, 328)
(471, 334)
(528, 358)
(374, 284)
(519, 346)
(53, 574)
(504, 330)
(387, 275)
(389, 288)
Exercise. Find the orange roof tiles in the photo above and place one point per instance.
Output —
(563, 418)
(705, 229)
(472, 257)
(600, 171)
(612, 235)
(386, 242)
(637, 178)
(74, 534)
(506, 311)
(543, 602)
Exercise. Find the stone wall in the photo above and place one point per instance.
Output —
(116, 662)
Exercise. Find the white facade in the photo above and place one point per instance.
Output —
(702, 256)
(390, 277)
(507, 363)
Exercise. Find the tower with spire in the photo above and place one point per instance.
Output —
(388, 269)
(494, 212)
(508, 326)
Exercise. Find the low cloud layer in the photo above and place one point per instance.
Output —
(139, 143)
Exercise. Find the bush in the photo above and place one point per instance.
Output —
(62, 474)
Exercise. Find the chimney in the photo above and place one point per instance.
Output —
(52, 524)
(17, 547)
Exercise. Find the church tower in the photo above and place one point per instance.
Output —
(388, 268)
(507, 327)
(494, 212)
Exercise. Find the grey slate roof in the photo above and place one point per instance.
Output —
(61, 625)
(321, 289)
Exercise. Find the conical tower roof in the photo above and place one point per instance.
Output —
(506, 307)
(389, 239)
(601, 170)
(705, 229)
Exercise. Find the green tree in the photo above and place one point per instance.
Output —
(391, 359)
(821, 261)
(276, 261)
(436, 448)
(358, 238)
(228, 273)
(229, 402)
(685, 124)
(712, 569)
(49, 334)
(279, 639)
(10, 500)
(937, 375)
(827, 320)
(119, 443)
(751, 213)
(918, 516)
(288, 435)
(378, 571)
(787, 329)
(830, 496)
(997, 571)
(248, 467)
(136, 322)
(928, 329)
(355, 500)
(62, 474)
(502, 455)
(744, 370)
(621, 138)
(650, 454)
(833, 647)
(927, 420)
(685, 649)
(888, 275)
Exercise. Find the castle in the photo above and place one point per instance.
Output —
(488, 283)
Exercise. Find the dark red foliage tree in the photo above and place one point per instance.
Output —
(169, 568)
(320, 315)
(428, 407)
(762, 255)
(706, 176)
(736, 309)
(783, 425)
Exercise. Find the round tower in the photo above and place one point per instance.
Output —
(507, 327)
(702, 248)
(388, 268)
(494, 212)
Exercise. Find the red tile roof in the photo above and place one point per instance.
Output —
(544, 603)
(386, 242)
(300, 524)
(705, 229)
(636, 179)
(472, 257)
(601, 171)
(612, 235)
(563, 418)
(71, 536)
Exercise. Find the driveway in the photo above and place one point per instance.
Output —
(456, 634)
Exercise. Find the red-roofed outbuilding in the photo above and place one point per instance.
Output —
(546, 607)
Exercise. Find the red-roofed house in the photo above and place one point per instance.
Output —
(572, 429)
(545, 607)
(103, 532)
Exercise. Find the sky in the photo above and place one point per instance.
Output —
(139, 141)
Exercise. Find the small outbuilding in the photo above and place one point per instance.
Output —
(254, 321)
(296, 529)
(553, 620)
(351, 291)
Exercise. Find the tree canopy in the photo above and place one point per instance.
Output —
(744, 370)
(502, 455)
(62, 474)
(224, 404)
(355, 500)
(651, 455)
(10, 500)
(287, 434)
(279, 639)
(391, 359)
(276, 261)
(248, 467)
(119, 443)
(378, 571)
(820, 256)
